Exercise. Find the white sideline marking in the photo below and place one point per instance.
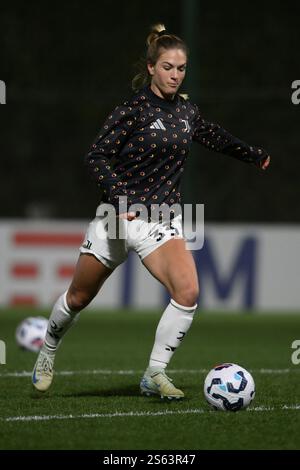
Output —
(104, 415)
(137, 414)
(139, 372)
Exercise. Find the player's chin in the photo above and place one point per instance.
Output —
(173, 88)
(170, 90)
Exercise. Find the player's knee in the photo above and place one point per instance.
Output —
(77, 300)
(187, 297)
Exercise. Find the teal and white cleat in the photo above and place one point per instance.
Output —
(156, 382)
(43, 371)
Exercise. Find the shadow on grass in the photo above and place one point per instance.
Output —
(117, 392)
(128, 391)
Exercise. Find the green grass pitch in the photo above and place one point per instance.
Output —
(94, 402)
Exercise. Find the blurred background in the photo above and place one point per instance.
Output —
(67, 65)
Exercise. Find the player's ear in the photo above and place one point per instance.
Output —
(150, 68)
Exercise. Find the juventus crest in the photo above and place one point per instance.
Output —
(187, 125)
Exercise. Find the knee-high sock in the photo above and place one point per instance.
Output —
(172, 328)
(61, 319)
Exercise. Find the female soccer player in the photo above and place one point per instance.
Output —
(138, 158)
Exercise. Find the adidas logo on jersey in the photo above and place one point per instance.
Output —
(158, 125)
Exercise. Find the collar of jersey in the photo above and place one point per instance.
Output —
(155, 99)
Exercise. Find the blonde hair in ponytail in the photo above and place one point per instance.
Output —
(154, 44)
(154, 33)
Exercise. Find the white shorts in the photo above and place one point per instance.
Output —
(138, 235)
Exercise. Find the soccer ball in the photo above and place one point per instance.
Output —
(30, 333)
(229, 387)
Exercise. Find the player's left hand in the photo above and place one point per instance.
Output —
(264, 162)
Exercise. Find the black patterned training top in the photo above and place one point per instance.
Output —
(142, 147)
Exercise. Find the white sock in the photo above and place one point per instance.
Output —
(61, 319)
(172, 328)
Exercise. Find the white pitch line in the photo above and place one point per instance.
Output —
(273, 408)
(139, 372)
(102, 415)
(138, 414)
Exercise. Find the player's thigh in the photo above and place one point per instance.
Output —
(174, 266)
(90, 274)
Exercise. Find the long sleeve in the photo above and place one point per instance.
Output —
(99, 160)
(214, 137)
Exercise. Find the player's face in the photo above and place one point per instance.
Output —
(168, 72)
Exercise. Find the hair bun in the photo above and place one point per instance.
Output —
(163, 32)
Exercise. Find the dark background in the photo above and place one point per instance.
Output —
(67, 65)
